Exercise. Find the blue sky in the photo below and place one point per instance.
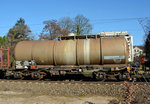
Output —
(100, 12)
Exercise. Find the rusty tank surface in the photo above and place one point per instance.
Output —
(23, 50)
(71, 50)
(65, 52)
(114, 50)
(42, 52)
(88, 52)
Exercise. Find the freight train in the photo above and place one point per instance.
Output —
(91, 56)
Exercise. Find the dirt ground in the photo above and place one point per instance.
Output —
(11, 97)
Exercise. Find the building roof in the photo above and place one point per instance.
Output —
(141, 47)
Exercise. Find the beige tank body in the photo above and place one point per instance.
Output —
(65, 52)
(23, 50)
(114, 50)
(43, 53)
(88, 52)
(105, 50)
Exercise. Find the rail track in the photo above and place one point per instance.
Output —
(72, 82)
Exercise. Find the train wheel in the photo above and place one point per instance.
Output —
(35, 75)
(18, 75)
(101, 76)
(122, 76)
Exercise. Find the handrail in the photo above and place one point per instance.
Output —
(2, 62)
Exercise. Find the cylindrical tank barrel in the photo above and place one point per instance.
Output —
(98, 51)
(65, 52)
(88, 52)
(23, 50)
(114, 50)
(42, 52)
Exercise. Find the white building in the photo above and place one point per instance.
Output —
(138, 51)
(128, 38)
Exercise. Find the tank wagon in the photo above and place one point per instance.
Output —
(88, 55)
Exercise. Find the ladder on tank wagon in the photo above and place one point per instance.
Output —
(4, 58)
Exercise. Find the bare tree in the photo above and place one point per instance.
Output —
(145, 23)
(147, 45)
(81, 25)
(66, 23)
(52, 30)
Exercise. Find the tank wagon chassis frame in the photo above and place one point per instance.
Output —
(96, 73)
(92, 72)
(102, 73)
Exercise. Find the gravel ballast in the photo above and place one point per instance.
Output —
(63, 89)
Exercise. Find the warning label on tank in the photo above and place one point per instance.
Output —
(117, 59)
